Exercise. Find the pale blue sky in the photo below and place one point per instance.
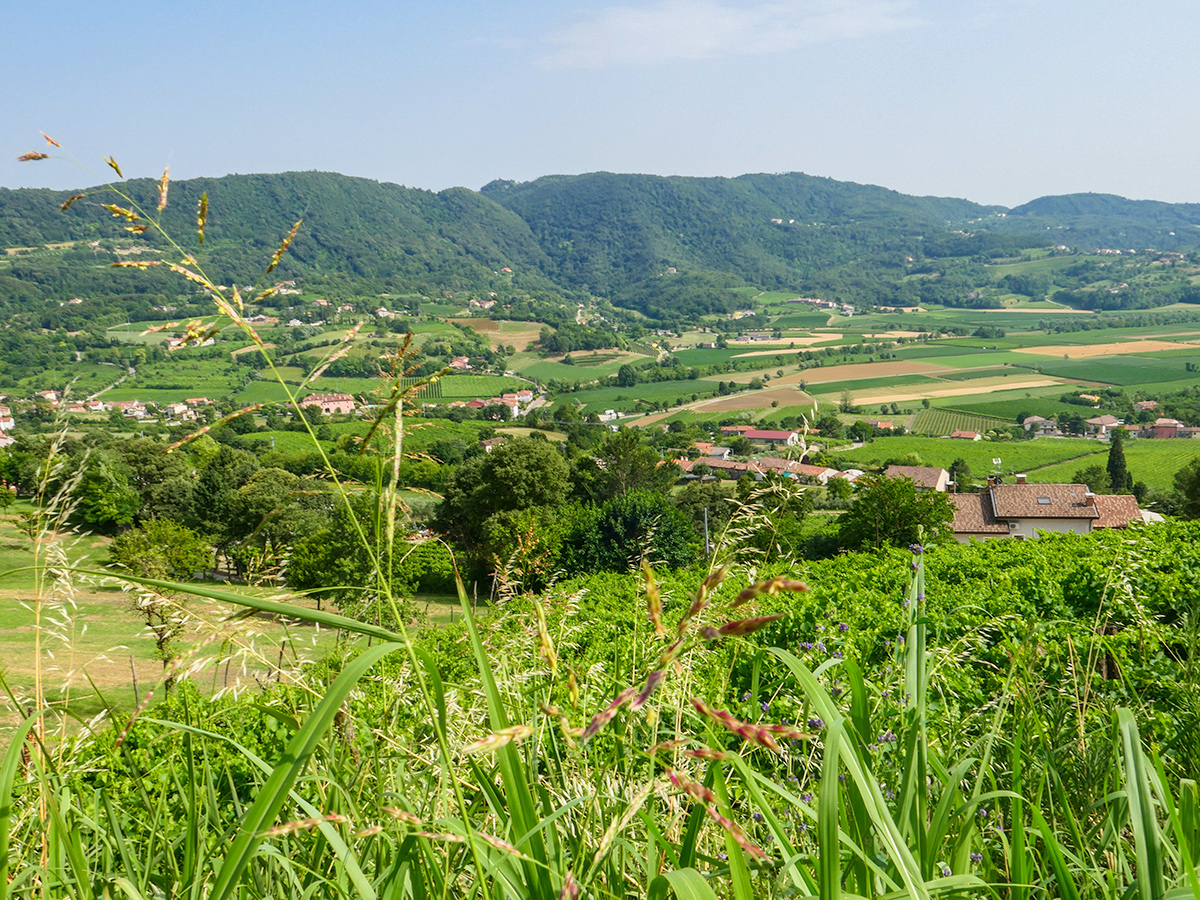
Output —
(998, 101)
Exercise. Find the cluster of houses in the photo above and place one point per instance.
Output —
(716, 458)
(1105, 425)
(844, 308)
(516, 402)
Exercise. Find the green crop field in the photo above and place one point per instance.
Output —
(929, 350)
(464, 387)
(1121, 370)
(801, 320)
(990, 372)
(1047, 407)
(835, 388)
(630, 398)
(939, 422)
(287, 441)
(1046, 264)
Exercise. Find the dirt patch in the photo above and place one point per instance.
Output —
(480, 325)
(1085, 351)
(249, 347)
(519, 335)
(826, 374)
(787, 396)
(977, 386)
(1048, 310)
(799, 342)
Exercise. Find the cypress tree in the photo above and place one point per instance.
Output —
(1118, 471)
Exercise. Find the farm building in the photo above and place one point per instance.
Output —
(773, 438)
(966, 436)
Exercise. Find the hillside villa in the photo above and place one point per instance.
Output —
(1021, 510)
(329, 403)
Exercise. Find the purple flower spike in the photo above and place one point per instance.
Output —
(976, 857)
(815, 723)
(916, 548)
(843, 627)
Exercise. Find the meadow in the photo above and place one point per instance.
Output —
(1016, 456)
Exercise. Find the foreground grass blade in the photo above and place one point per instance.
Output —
(275, 607)
(273, 793)
(685, 884)
(1146, 835)
(527, 831)
(8, 774)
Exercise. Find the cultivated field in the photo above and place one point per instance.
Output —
(1116, 348)
(978, 385)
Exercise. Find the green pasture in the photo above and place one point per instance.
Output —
(801, 320)
(1016, 456)
(1154, 462)
(1045, 265)
(532, 366)
(83, 378)
(630, 398)
(451, 310)
(262, 392)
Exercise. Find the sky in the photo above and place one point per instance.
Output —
(996, 101)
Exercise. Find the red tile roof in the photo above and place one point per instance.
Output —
(922, 476)
(1116, 511)
(973, 515)
(1041, 501)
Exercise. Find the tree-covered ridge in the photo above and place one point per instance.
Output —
(670, 248)
(1091, 220)
(395, 237)
(604, 229)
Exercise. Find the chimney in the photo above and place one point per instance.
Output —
(1089, 499)
(1020, 479)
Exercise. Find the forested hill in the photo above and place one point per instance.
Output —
(1088, 221)
(605, 231)
(566, 237)
(385, 235)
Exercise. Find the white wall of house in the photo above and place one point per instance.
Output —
(1029, 528)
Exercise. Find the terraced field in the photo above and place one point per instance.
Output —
(940, 422)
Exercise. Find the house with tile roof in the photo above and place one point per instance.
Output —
(926, 478)
(1102, 425)
(1021, 510)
